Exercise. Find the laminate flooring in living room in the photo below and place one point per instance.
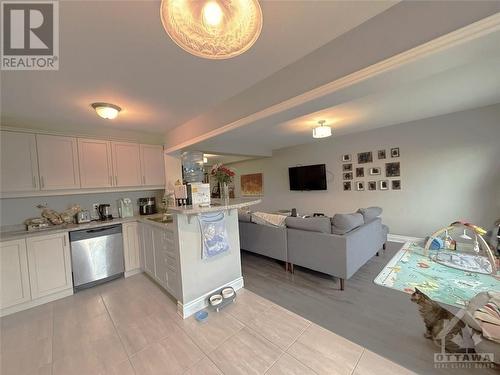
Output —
(383, 320)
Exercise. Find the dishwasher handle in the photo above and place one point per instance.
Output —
(84, 234)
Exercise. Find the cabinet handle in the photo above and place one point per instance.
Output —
(116, 180)
(64, 239)
(144, 180)
(34, 182)
(42, 182)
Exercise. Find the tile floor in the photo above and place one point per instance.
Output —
(130, 326)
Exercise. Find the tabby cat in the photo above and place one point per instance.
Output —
(435, 318)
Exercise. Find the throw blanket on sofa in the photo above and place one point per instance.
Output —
(213, 234)
(268, 219)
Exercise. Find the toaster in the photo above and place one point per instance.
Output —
(83, 217)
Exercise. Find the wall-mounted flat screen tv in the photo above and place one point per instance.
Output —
(308, 177)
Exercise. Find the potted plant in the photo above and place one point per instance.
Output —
(224, 176)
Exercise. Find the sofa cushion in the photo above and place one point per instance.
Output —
(244, 216)
(311, 224)
(343, 223)
(370, 213)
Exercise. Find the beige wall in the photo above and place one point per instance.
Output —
(450, 170)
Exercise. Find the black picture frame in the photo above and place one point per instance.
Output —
(347, 167)
(381, 154)
(347, 176)
(395, 152)
(346, 185)
(375, 171)
(360, 172)
(365, 157)
(346, 158)
(372, 185)
(392, 169)
(360, 185)
(396, 184)
(383, 185)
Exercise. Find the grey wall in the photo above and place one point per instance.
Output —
(450, 170)
(14, 211)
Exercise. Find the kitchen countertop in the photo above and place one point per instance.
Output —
(16, 234)
(217, 205)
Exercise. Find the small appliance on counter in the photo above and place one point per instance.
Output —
(147, 206)
(83, 217)
(125, 208)
(105, 212)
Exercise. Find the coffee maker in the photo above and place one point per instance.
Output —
(104, 212)
(147, 206)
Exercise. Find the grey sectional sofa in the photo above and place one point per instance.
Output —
(337, 246)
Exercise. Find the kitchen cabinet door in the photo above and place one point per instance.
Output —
(160, 256)
(126, 164)
(15, 284)
(131, 246)
(19, 162)
(49, 264)
(96, 167)
(152, 165)
(58, 162)
(148, 250)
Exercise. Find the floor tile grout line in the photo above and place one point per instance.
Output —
(357, 362)
(117, 333)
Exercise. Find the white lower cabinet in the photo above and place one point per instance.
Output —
(49, 264)
(159, 257)
(131, 248)
(15, 283)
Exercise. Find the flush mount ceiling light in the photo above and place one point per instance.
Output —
(212, 29)
(106, 110)
(205, 160)
(322, 131)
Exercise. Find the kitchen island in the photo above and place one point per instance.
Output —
(173, 253)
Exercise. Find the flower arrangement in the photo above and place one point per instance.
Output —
(222, 173)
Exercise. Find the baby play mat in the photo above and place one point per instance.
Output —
(410, 269)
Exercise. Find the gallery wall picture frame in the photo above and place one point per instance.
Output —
(383, 185)
(347, 176)
(375, 171)
(396, 184)
(395, 152)
(346, 185)
(360, 172)
(346, 158)
(365, 157)
(372, 185)
(392, 169)
(347, 167)
(360, 185)
(252, 185)
(381, 154)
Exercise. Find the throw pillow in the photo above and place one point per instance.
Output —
(343, 223)
(370, 213)
(311, 224)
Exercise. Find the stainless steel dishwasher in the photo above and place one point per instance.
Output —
(96, 255)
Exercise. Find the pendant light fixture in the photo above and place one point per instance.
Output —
(322, 131)
(212, 29)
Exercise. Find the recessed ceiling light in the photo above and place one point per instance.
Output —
(106, 110)
(213, 29)
(322, 131)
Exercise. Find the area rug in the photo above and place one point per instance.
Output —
(410, 269)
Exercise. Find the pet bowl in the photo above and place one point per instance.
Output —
(227, 292)
(216, 299)
(201, 316)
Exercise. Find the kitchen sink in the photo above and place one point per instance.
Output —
(168, 219)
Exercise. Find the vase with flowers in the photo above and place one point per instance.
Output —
(224, 176)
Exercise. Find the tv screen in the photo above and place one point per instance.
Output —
(308, 177)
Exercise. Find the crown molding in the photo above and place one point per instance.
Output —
(470, 32)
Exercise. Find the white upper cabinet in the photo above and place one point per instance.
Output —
(58, 162)
(96, 167)
(19, 164)
(126, 164)
(153, 165)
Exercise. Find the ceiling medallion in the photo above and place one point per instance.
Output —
(213, 29)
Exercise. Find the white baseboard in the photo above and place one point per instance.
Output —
(132, 272)
(187, 309)
(36, 302)
(402, 239)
